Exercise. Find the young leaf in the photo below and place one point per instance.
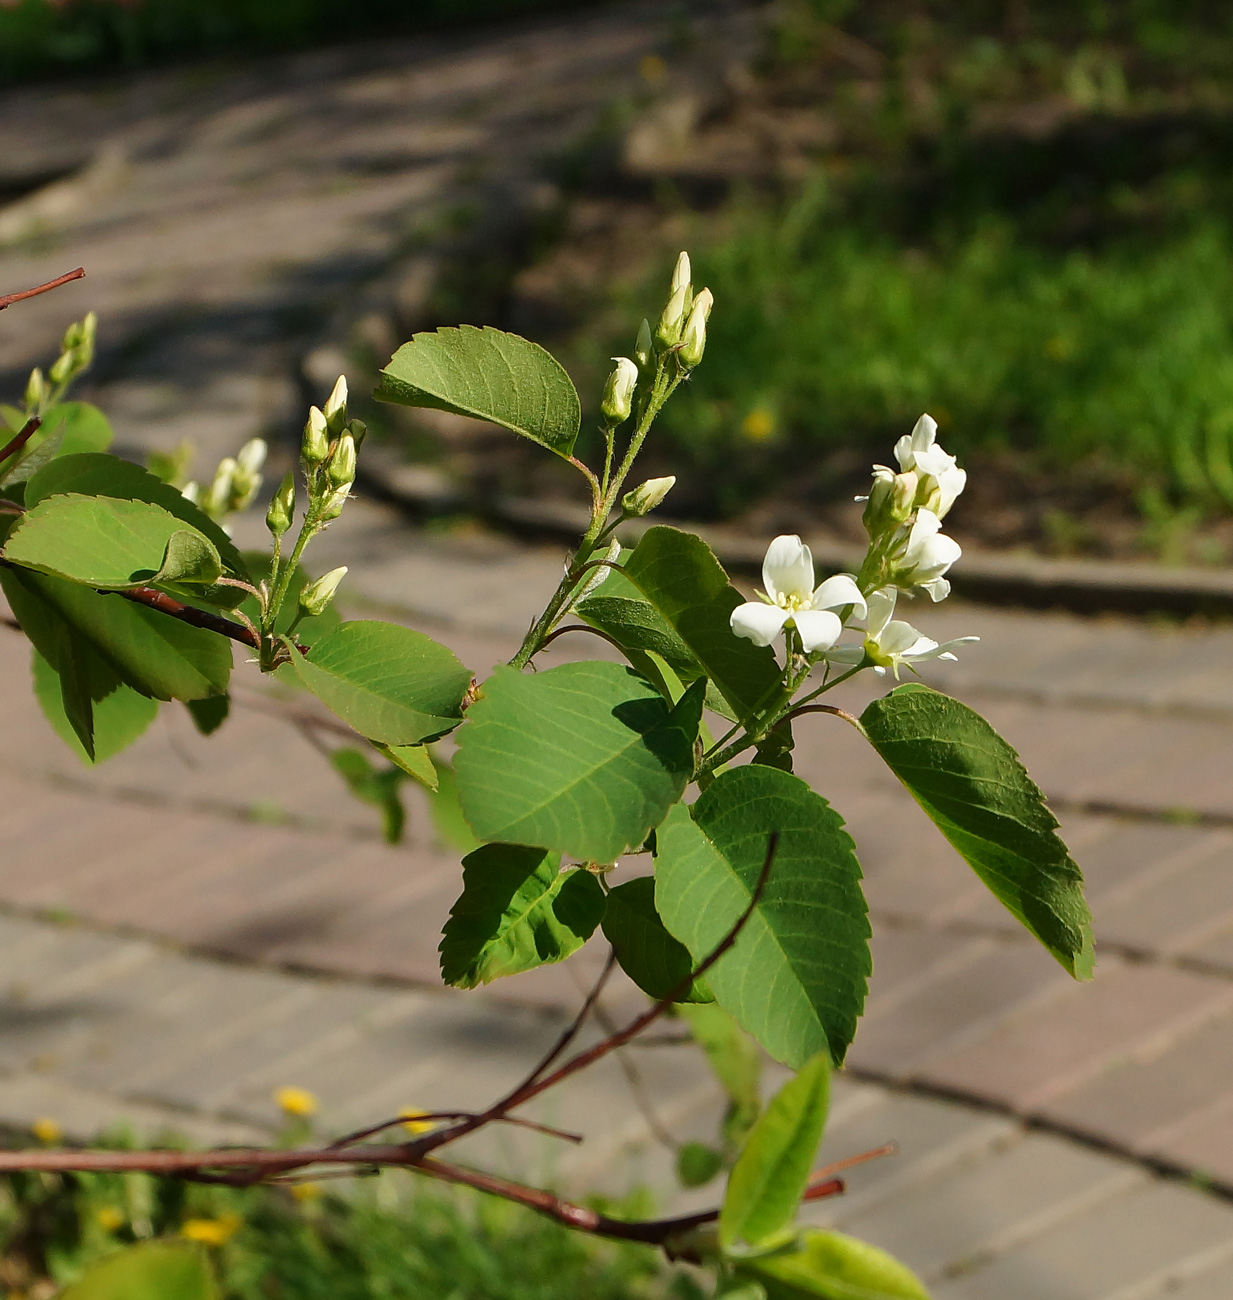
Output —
(769, 1177)
(489, 375)
(415, 761)
(831, 1266)
(648, 954)
(117, 719)
(110, 544)
(155, 655)
(796, 976)
(585, 758)
(391, 684)
(976, 791)
(685, 583)
(151, 1270)
(697, 1163)
(736, 1060)
(209, 714)
(518, 910)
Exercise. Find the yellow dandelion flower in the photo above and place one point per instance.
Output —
(110, 1218)
(211, 1232)
(652, 69)
(306, 1191)
(47, 1130)
(413, 1121)
(758, 425)
(296, 1101)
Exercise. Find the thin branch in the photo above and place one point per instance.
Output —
(152, 598)
(9, 299)
(580, 627)
(23, 436)
(822, 708)
(428, 1116)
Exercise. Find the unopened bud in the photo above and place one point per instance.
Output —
(36, 390)
(282, 507)
(890, 500)
(644, 346)
(251, 457)
(317, 595)
(191, 491)
(668, 332)
(218, 499)
(315, 445)
(62, 368)
(619, 391)
(642, 500)
(693, 340)
(335, 408)
(333, 505)
(681, 273)
(341, 468)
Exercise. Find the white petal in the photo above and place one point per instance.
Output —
(935, 461)
(787, 569)
(924, 431)
(819, 628)
(927, 524)
(757, 622)
(846, 654)
(839, 591)
(902, 641)
(950, 485)
(937, 555)
(938, 589)
(903, 452)
(881, 607)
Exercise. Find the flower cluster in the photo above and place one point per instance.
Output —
(907, 552)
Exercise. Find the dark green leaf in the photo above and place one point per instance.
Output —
(830, 1266)
(737, 1062)
(209, 714)
(585, 758)
(518, 910)
(796, 976)
(637, 625)
(685, 583)
(976, 791)
(489, 375)
(769, 1177)
(648, 954)
(697, 1164)
(391, 684)
(118, 718)
(152, 1270)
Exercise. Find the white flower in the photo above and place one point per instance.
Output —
(891, 643)
(793, 601)
(927, 556)
(918, 451)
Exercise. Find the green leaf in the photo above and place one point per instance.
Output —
(697, 1163)
(110, 544)
(209, 714)
(450, 825)
(585, 758)
(69, 429)
(117, 719)
(489, 375)
(736, 1061)
(831, 1266)
(978, 794)
(152, 1270)
(373, 786)
(637, 625)
(391, 684)
(109, 476)
(769, 1177)
(685, 583)
(518, 910)
(796, 976)
(154, 654)
(415, 761)
(648, 954)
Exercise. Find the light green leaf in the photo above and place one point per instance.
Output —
(796, 976)
(518, 910)
(685, 583)
(769, 1177)
(831, 1266)
(110, 544)
(648, 954)
(585, 758)
(118, 718)
(978, 794)
(414, 760)
(697, 1163)
(152, 1270)
(489, 375)
(736, 1061)
(391, 684)
(69, 429)
(450, 826)
(155, 655)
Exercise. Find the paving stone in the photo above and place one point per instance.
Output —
(1134, 1245)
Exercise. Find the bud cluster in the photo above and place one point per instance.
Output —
(236, 482)
(76, 356)
(327, 454)
(682, 324)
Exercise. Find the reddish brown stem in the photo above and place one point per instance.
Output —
(823, 708)
(152, 598)
(27, 431)
(9, 299)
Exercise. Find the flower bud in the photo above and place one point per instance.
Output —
(341, 467)
(644, 347)
(335, 409)
(619, 392)
(668, 332)
(217, 500)
(36, 390)
(317, 595)
(693, 340)
(191, 491)
(282, 508)
(642, 500)
(251, 457)
(333, 505)
(315, 445)
(62, 368)
(681, 273)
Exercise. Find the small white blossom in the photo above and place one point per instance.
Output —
(918, 451)
(792, 600)
(927, 556)
(892, 643)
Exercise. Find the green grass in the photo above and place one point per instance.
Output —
(389, 1238)
(828, 335)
